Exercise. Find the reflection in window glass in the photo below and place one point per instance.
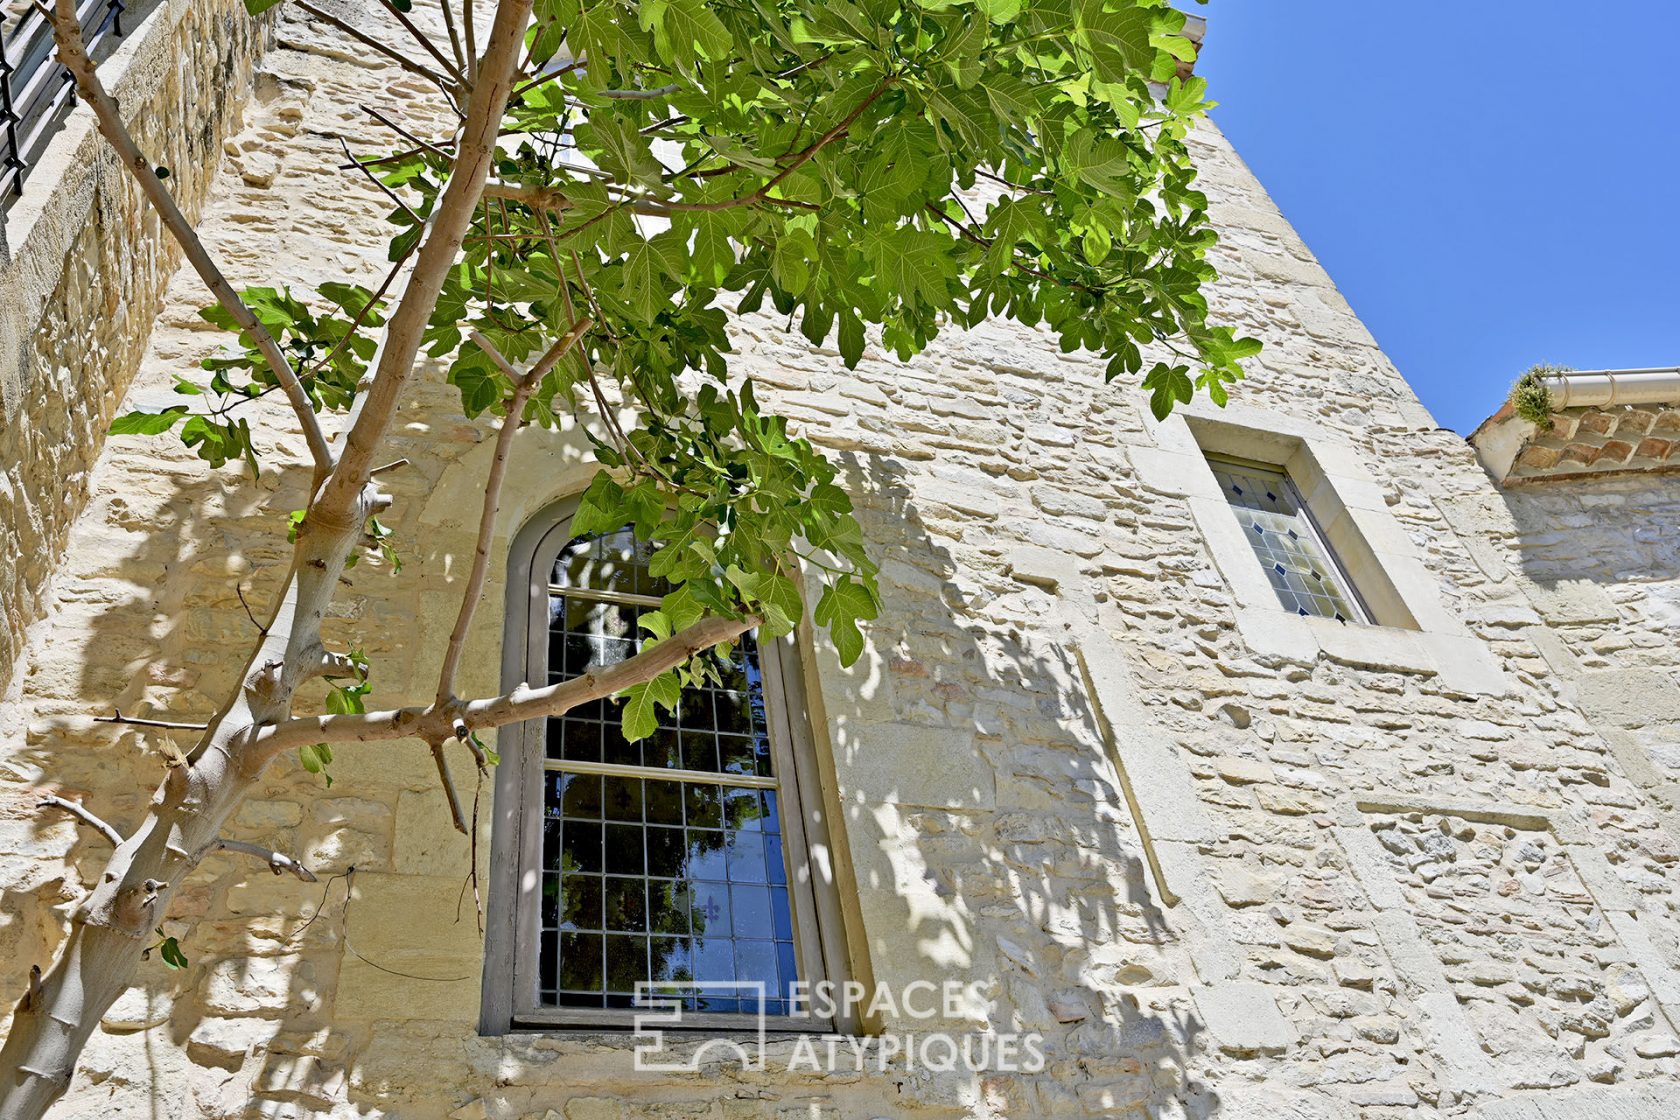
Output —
(1279, 528)
(670, 867)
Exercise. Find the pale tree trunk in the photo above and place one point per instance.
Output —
(115, 923)
(108, 932)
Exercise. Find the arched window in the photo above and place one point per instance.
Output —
(683, 860)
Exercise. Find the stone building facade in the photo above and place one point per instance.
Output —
(1226, 859)
(83, 264)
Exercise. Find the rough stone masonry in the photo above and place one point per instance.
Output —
(1227, 863)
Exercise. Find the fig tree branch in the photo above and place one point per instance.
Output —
(427, 145)
(555, 199)
(277, 862)
(474, 590)
(450, 89)
(426, 43)
(335, 665)
(367, 308)
(547, 76)
(199, 792)
(523, 703)
(137, 721)
(469, 26)
(454, 36)
(447, 781)
(387, 191)
(393, 365)
(639, 94)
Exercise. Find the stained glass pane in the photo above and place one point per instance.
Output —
(615, 562)
(714, 900)
(647, 877)
(1295, 559)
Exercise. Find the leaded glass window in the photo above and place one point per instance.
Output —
(668, 859)
(1281, 531)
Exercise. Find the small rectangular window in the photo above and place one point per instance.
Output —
(1287, 542)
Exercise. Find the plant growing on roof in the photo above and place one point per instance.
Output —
(1530, 397)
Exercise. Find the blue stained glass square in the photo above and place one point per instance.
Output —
(671, 958)
(710, 909)
(713, 958)
(756, 960)
(787, 964)
(746, 857)
(781, 913)
(750, 906)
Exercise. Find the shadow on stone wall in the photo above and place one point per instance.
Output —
(1608, 531)
(1011, 862)
(157, 632)
(82, 267)
(1023, 866)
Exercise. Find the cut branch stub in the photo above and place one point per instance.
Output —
(277, 862)
(447, 780)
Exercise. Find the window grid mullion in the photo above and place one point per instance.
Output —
(658, 774)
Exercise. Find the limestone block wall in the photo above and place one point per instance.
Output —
(1604, 569)
(1526, 949)
(83, 264)
(1223, 870)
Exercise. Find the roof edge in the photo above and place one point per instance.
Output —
(1500, 440)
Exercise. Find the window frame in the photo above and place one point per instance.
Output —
(511, 984)
(1399, 593)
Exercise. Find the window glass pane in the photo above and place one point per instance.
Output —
(713, 729)
(609, 562)
(645, 878)
(579, 902)
(714, 900)
(586, 634)
(1294, 558)
(579, 795)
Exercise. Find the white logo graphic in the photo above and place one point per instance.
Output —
(666, 997)
(736, 1010)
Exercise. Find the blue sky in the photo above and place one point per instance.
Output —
(1489, 184)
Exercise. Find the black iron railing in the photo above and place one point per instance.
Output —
(36, 93)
